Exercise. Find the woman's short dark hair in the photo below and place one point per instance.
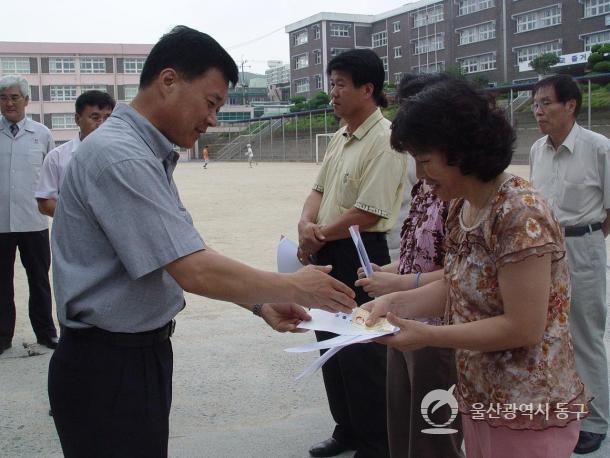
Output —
(191, 53)
(566, 89)
(454, 118)
(364, 66)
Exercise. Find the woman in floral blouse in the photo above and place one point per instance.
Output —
(505, 291)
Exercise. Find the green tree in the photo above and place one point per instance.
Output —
(320, 100)
(299, 103)
(543, 63)
(599, 59)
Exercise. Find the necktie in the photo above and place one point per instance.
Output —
(14, 129)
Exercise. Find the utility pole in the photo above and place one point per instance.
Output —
(243, 80)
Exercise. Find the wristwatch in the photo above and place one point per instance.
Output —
(257, 309)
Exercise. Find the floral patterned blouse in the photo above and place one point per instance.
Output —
(522, 388)
(423, 233)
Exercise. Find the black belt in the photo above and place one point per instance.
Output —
(579, 231)
(126, 339)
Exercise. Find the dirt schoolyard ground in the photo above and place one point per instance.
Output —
(234, 393)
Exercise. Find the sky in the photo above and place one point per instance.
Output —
(251, 30)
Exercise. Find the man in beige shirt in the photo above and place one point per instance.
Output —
(570, 166)
(361, 183)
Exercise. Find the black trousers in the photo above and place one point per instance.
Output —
(355, 378)
(35, 255)
(110, 400)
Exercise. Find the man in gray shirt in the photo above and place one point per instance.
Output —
(23, 146)
(124, 250)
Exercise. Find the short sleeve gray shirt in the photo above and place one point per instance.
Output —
(118, 223)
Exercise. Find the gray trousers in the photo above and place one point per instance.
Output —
(587, 261)
(411, 376)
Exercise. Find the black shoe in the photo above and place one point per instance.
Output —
(329, 447)
(588, 442)
(49, 342)
(5, 346)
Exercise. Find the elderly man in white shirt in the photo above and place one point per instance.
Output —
(571, 168)
(92, 109)
(23, 145)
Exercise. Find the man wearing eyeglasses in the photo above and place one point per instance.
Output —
(571, 168)
(92, 109)
(23, 145)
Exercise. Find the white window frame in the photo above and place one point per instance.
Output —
(317, 81)
(384, 61)
(476, 33)
(478, 63)
(93, 87)
(397, 77)
(301, 61)
(428, 44)
(316, 31)
(334, 52)
(529, 52)
(10, 65)
(396, 26)
(432, 67)
(537, 19)
(301, 85)
(92, 65)
(317, 56)
(472, 6)
(130, 91)
(379, 39)
(63, 121)
(300, 37)
(339, 30)
(428, 15)
(133, 65)
(588, 42)
(62, 65)
(594, 8)
(397, 52)
(63, 93)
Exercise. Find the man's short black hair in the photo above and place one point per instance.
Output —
(364, 66)
(94, 98)
(191, 53)
(566, 89)
(458, 120)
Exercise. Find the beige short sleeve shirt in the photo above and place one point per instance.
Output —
(362, 171)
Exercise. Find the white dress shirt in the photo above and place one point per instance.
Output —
(21, 158)
(575, 177)
(54, 169)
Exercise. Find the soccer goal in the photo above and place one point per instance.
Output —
(321, 144)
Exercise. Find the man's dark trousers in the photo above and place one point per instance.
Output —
(35, 256)
(355, 378)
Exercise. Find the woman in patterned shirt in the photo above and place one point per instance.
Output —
(505, 292)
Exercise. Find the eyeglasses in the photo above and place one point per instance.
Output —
(543, 105)
(13, 98)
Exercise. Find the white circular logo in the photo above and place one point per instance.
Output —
(434, 400)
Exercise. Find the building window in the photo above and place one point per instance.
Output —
(596, 39)
(397, 77)
(301, 61)
(384, 61)
(130, 91)
(133, 65)
(339, 30)
(380, 39)
(92, 65)
(539, 19)
(475, 64)
(300, 38)
(318, 81)
(472, 6)
(316, 32)
(301, 85)
(527, 53)
(396, 26)
(428, 15)
(434, 67)
(429, 44)
(14, 65)
(596, 7)
(62, 93)
(480, 32)
(93, 87)
(317, 57)
(62, 65)
(334, 52)
(63, 121)
(397, 52)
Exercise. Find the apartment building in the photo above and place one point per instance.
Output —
(59, 72)
(493, 38)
